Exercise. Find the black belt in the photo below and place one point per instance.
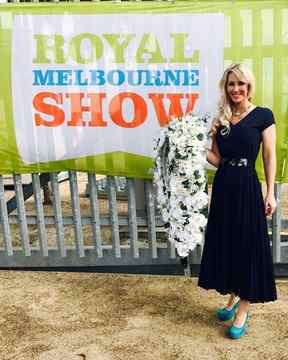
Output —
(235, 161)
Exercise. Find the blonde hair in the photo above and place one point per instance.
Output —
(224, 105)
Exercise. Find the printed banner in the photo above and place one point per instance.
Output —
(88, 86)
(97, 84)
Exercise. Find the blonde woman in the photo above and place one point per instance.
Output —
(236, 257)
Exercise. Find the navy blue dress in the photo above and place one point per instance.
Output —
(236, 255)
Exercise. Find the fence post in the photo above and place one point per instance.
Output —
(113, 215)
(140, 197)
(22, 220)
(5, 220)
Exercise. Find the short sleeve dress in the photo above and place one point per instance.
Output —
(237, 255)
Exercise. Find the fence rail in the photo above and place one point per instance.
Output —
(243, 46)
(96, 254)
(113, 251)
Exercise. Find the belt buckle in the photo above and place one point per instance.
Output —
(235, 162)
(243, 162)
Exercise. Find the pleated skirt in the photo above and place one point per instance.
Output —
(237, 256)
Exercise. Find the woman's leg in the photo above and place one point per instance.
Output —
(231, 301)
(241, 313)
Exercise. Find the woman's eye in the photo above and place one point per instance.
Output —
(240, 83)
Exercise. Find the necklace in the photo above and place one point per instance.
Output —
(241, 115)
(238, 113)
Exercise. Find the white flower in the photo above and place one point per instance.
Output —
(182, 249)
(198, 201)
(179, 179)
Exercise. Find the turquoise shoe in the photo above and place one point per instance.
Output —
(235, 332)
(224, 314)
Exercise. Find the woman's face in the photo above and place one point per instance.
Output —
(237, 90)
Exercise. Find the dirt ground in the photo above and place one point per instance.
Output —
(74, 316)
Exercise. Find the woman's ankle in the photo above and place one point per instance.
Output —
(231, 302)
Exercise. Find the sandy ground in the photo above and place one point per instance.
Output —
(74, 316)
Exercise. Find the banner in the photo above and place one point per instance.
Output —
(92, 88)
(88, 87)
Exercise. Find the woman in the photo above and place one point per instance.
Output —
(236, 256)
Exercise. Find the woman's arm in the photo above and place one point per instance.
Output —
(213, 156)
(269, 161)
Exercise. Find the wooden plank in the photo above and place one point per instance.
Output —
(113, 214)
(5, 220)
(95, 214)
(21, 214)
(58, 220)
(132, 218)
(43, 243)
(76, 213)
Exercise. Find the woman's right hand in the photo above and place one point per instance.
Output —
(213, 155)
(212, 158)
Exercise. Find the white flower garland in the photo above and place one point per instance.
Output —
(180, 181)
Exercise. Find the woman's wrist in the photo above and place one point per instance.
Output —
(270, 192)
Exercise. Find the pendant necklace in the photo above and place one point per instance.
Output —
(238, 113)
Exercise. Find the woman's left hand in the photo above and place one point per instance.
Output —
(270, 204)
